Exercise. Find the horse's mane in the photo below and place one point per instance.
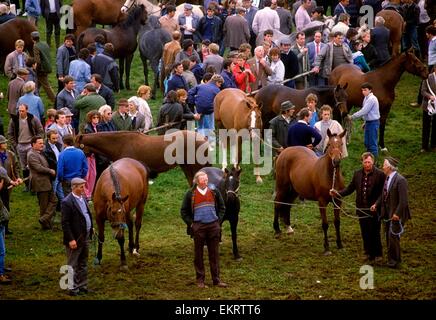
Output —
(322, 89)
(133, 16)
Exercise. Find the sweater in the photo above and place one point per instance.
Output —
(301, 134)
(72, 163)
(204, 207)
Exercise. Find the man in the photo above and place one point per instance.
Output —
(87, 101)
(301, 51)
(411, 18)
(177, 81)
(341, 7)
(202, 210)
(104, 64)
(52, 149)
(301, 134)
(213, 59)
(168, 22)
(368, 183)
(59, 126)
(5, 15)
(41, 53)
(22, 128)
(188, 23)
(266, 18)
(260, 68)
(64, 55)
(371, 114)
(380, 36)
(236, 30)
(302, 17)
(80, 69)
(77, 229)
(72, 163)
(121, 119)
(343, 24)
(428, 115)
(314, 49)
(290, 61)
(15, 90)
(51, 11)
(250, 12)
(285, 17)
(15, 60)
(280, 127)
(394, 206)
(41, 177)
(170, 50)
(189, 76)
(103, 90)
(227, 74)
(210, 26)
(67, 97)
(334, 54)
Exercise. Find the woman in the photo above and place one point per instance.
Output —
(138, 119)
(182, 96)
(92, 120)
(144, 94)
(368, 50)
(34, 103)
(358, 57)
(106, 123)
(277, 67)
(243, 74)
(334, 126)
(170, 112)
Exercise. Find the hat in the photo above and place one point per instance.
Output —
(67, 112)
(77, 181)
(286, 105)
(285, 40)
(392, 161)
(34, 34)
(188, 6)
(3, 139)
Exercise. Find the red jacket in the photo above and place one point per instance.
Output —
(242, 79)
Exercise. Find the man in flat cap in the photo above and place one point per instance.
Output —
(394, 208)
(289, 59)
(280, 126)
(188, 23)
(77, 228)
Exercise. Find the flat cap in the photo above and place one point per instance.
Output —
(286, 105)
(3, 139)
(392, 161)
(67, 112)
(188, 6)
(77, 181)
(285, 40)
(34, 34)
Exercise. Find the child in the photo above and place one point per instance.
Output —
(51, 113)
(358, 57)
(311, 102)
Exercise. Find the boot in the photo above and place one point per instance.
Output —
(57, 40)
(7, 231)
(48, 38)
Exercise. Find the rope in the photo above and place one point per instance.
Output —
(163, 126)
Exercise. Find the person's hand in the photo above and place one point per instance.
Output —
(315, 69)
(19, 181)
(305, 50)
(395, 217)
(373, 208)
(310, 146)
(197, 116)
(262, 61)
(14, 183)
(334, 193)
(72, 244)
(52, 172)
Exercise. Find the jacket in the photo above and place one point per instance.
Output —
(106, 66)
(65, 99)
(84, 104)
(262, 76)
(45, 8)
(50, 155)
(279, 127)
(63, 60)
(41, 53)
(217, 34)
(40, 173)
(425, 90)
(33, 8)
(325, 58)
(236, 31)
(396, 201)
(120, 123)
(380, 40)
(35, 128)
(195, 21)
(73, 221)
(107, 95)
(15, 91)
(12, 64)
(243, 80)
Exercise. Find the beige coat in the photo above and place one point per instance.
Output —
(335, 127)
(262, 75)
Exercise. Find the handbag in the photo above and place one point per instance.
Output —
(4, 214)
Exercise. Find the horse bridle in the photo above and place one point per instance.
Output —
(131, 6)
(337, 103)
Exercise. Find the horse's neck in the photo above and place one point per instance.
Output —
(109, 145)
(326, 166)
(390, 73)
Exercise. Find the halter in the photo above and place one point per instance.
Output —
(128, 8)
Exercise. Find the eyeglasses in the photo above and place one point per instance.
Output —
(109, 113)
(96, 117)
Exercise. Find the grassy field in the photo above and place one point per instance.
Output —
(289, 268)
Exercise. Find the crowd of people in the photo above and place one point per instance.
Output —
(230, 47)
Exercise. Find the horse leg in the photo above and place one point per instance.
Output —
(233, 227)
(325, 227)
(337, 222)
(138, 224)
(123, 254)
(131, 243)
(122, 61)
(145, 68)
(100, 224)
(282, 206)
(129, 59)
(381, 139)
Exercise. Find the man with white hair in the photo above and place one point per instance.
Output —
(34, 103)
(265, 19)
(380, 40)
(394, 207)
(260, 68)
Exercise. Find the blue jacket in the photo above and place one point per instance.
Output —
(203, 96)
(301, 134)
(33, 8)
(36, 107)
(177, 82)
(229, 80)
(72, 163)
(81, 72)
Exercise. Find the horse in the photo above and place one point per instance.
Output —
(88, 13)
(270, 98)
(15, 29)
(227, 182)
(299, 172)
(151, 46)
(233, 109)
(187, 149)
(121, 187)
(124, 38)
(383, 80)
(156, 10)
(395, 23)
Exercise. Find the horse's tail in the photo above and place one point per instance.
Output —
(115, 182)
(151, 174)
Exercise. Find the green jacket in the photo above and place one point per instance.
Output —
(41, 52)
(84, 104)
(120, 123)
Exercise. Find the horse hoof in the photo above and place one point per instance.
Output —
(124, 268)
(384, 149)
(238, 259)
(277, 235)
(339, 245)
(259, 180)
(136, 253)
(327, 253)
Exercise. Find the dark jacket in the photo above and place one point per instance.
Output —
(301, 134)
(170, 112)
(106, 66)
(50, 155)
(229, 80)
(177, 82)
(280, 128)
(73, 222)
(396, 201)
(380, 40)
(41, 53)
(107, 94)
(45, 8)
(370, 54)
(290, 61)
(203, 96)
(187, 209)
(6, 17)
(106, 126)
(217, 24)
(410, 14)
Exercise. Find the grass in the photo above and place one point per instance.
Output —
(285, 269)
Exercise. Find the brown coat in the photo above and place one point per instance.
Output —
(171, 49)
(11, 165)
(15, 91)
(425, 90)
(236, 31)
(262, 75)
(396, 201)
(40, 173)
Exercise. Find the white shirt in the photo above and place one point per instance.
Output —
(202, 191)
(188, 24)
(52, 6)
(391, 177)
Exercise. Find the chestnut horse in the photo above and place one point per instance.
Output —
(395, 23)
(234, 110)
(10, 32)
(383, 80)
(187, 149)
(124, 38)
(270, 98)
(299, 172)
(121, 187)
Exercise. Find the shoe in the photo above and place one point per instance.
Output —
(8, 232)
(7, 269)
(221, 284)
(73, 293)
(289, 230)
(414, 104)
(393, 264)
(201, 285)
(44, 224)
(4, 279)
(24, 14)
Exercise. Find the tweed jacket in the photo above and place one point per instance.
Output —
(12, 64)
(40, 176)
(73, 221)
(325, 58)
(396, 201)
(15, 91)
(236, 31)
(11, 165)
(262, 75)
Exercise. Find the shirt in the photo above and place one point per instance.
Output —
(391, 177)
(370, 109)
(83, 210)
(55, 150)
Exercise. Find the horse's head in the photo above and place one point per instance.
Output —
(128, 5)
(116, 214)
(79, 143)
(334, 147)
(255, 115)
(414, 66)
(231, 181)
(341, 97)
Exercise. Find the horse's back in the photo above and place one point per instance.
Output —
(16, 28)
(294, 164)
(226, 103)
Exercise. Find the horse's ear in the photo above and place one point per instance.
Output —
(345, 86)
(329, 133)
(342, 134)
(124, 199)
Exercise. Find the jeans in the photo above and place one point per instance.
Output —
(371, 136)
(410, 38)
(57, 188)
(206, 126)
(2, 249)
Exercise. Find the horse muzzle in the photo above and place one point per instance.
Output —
(118, 230)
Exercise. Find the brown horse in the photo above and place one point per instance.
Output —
(270, 98)
(10, 32)
(383, 80)
(299, 172)
(395, 23)
(121, 187)
(234, 110)
(88, 13)
(124, 38)
(187, 149)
